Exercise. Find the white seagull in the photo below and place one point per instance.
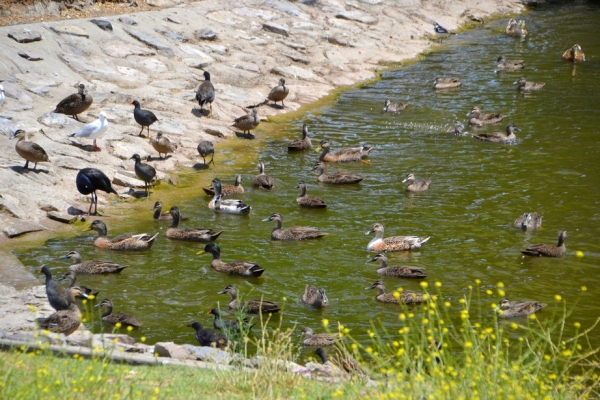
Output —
(94, 129)
(2, 98)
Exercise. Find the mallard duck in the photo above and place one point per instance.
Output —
(279, 93)
(205, 148)
(71, 276)
(249, 306)
(402, 271)
(228, 190)
(525, 86)
(393, 243)
(446, 83)
(88, 180)
(415, 185)
(509, 65)
(315, 297)
(510, 27)
(319, 339)
(164, 216)
(190, 234)
(163, 145)
(65, 321)
(30, 151)
(233, 325)
(499, 137)
(231, 206)
(243, 268)
(120, 317)
(143, 117)
(393, 107)
(547, 250)
(206, 92)
(301, 144)
(144, 172)
(343, 154)
(123, 242)
(478, 118)
(529, 221)
(405, 296)
(293, 233)
(339, 178)
(75, 103)
(208, 338)
(520, 29)
(57, 294)
(92, 267)
(247, 122)
(456, 129)
(93, 130)
(308, 201)
(514, 309)
(262, 180)
(574, 54)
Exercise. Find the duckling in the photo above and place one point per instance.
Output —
(301, 144)
(415, 185)
(308, 201)
(164, 216)
(205, 148)
(228, 190)
(446, 83)
(92, 267)
(279, 93)
(249, 306)
(30, 151)
(402, 271)
(315, 297)
(510, 28)
(247, 122)
(57, 294)
(71, 276)
(243, 268)
(263, 181)
(319, 339)
(231, 206)
(339, 178)
(478, 118)
(163, 145)
(525, 86)
(499, 137)
(514, 309)
(456, 129)
(75, 103)
(406, 296)
(90, 180)
(547, 250)
(233, 325)
(293, 233)
(208, 338)
(108, 317)
(343, 154)
(144, 172)
(190, 234)
(574, 54)
(65, 321)
(528, 221)
(393, 243)
(393, 107)
(509, 65)
(123, 242)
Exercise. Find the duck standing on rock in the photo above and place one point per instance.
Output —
(144, 172)
(163, 145)
(279, 93)
(30, 151)
(206, 93)
(88, 180)
(190, 234)
(247, 122)
(205, 148)
(143, 117)
(75, 103)
(124, 242)
(93, 130)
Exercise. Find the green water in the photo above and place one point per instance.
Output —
(478, 190)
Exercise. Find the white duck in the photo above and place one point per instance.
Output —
(393, 243)
(93, 130)
(230, 206)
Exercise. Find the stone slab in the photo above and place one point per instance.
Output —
(30, 55)
(17, 227)
(25, 36)
(173, 36)
(103, 24)
(206, 34)
(295, 46)
(60, 217)
(294, 72)
(120, 49)
(209, 354)
(358, 16)
(127, 20)
(297, 58)
(160, 47)
(173, 19)
(70, 30)
(276, 28)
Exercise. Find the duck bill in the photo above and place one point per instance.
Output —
(201, 252)
(64, 257)
(84, 294)
(370, 287)
(222, 292)
(469, 114)
(313, 168)
(515, 82)
(369, 232)
(268, 219)
(372, 260)
(98, 305)
(209, 312)
(405, 180)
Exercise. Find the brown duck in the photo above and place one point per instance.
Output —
(526, 86)
(243, 268)
(123, 242)
(574, 54)
(402, 271)
(262, 180)
(499, 137)
(92, 267)
(319, 339)
(338, 178)
(30, 151)
(249, 306)
(163, 145)
(547, 250)
(75, 103)
(414, 185)
(478, 118)
(308, 201)
(190, 234)
(301, 144)
(514, 309)
(228, 190)
(529, 221)
(65, 321)
(406, 296)
(293, 233)
(164, 216)
(247, 122)
(279, 93)
(393, 106)
(446, 83)
(502, 64)
(315, 297)
(342, 155)
(120, 317)
(71, 277)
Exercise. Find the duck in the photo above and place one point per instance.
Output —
(515, 309)
(511, 26)
(547, 250)
(293, 233)
(120, 317)
(243, 268)
(247, 122)
(263, 181)
(574, 54)
(143, 117)
(414, 185)
(402, 271)
(92, 267)
(315, 297)
(88, 181)
(405, 296)
(478, 118)
(233, 325)
(319, 339)
(228, 190)
(249, 306)
(71, 276)
(308, 201)
(499, 137)
(30, 151)
(528, 221)
(279, 93)
(190, 234)
(93, 130)
(206, 93)
(164, 216)
(342, 155)
(301, 144)
(2, 95)
(144, 172)
(163, 145)
(68, 320)
(456, 128)
(57, 294)
(205, 148)
(393, 106)
(509, 65)
(208, 338)
(337, 178)
(75, 103)
(526, 86)
(520, 29)
(123, 242)
(230, 206)
(441, 82)
(393, 243)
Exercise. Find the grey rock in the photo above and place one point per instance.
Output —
(14, 92)
(126, 181)
(295, 46)
(172, 350)
(36, 79)
(206, 34)
(97, 69)
(33, 337)
(275, 28)
(69, 48)
(25, 36)
(254, 13)
(103, 24)
(287, 7)
(215, 48)
(338, 41)
(55, 120)
(371, 2)
(17, 227)
(127, 20)
(42, 91)
(358, 16)
(173, 19)
(294, 72)
(198, 63)
(30, 55)
(209, 354)
(173, 36)
(218, 131)
(297, 58)
(11, 208)
(160, 47)
(18, 108)
(60, 217)
(70, 30)
(121, 49)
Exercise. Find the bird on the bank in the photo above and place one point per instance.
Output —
(526, 86)
(124, 242)
(529, 221)
(226, 189)
(342, 155)
(301, 144)
(30, 151)
(263, 181)
(2, 95)
(164, 216)
(393, 243)
(163, 145)
(229, 206)
(247, 122)
(548, 250)
(249, 306)
(574, 54)
(205, 148)
(514, 309)
(71, 277)
(144, 172)
(93, 130)
(308, 201)
(319, 339)
(68, 320)
(293, 233)
(339, 178)
(456, 128)
(233, 325)
(415, 185)
(440, 29)
(208, 338)
(405, 296)
(93, 266)
(393, 106)
(499, 137)
(446, 83)
(402, 271)
(57, 294)
(315, 297)
(143, 117)
(279, 93)
(243, 268)
(189, 234)
(509, 65)
(75, 103)
(511, 27)
(88, 181)
(119, 317)
(478, 118)
(206, 93)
